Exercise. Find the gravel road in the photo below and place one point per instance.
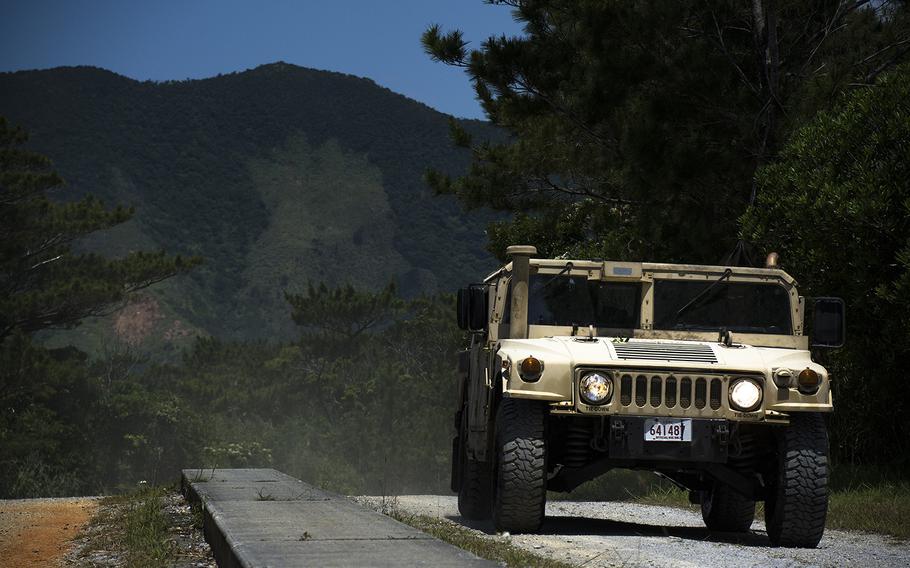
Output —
(594, 534)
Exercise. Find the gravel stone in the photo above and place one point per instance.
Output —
(609, 534)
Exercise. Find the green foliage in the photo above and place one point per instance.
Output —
(837, 207)
(636, 127)
(870, 498)
(48, 403)
(43, 283)
(238, 455)
(337, 317)
(136, 528)
(277, 175)
(357, 405)
(54, 402)
(883, 509)
(146, 530)
(332, 227)
(72, 426)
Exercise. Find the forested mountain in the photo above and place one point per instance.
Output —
(276, 176)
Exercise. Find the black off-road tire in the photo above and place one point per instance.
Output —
(726, 510)
(475, 480)
(520, 491)
(797, 503)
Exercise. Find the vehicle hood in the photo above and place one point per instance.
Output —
(707, 356)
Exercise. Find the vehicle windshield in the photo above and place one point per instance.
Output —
(575, 300)
(743, 307)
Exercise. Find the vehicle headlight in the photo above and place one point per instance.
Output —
(745, 394)
(595, 388)
(530, 369)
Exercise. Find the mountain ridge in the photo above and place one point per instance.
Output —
(277, 175)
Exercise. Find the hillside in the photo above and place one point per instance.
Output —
(276, 176)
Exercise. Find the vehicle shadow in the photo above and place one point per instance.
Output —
(567, 526)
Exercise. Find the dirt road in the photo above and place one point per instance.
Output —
(594, 534)
(38, 532)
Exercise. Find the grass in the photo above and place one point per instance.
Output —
(136, 526)
(866, 499)
(882, 509)
(666, 496)
(616, 485)
(497, 549)
(146, 530)
(871, 499)
(197, 514)
(262, 496)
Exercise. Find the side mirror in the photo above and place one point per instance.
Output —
(472, 308)
(828, 323)
(463, 309)
(479, 306)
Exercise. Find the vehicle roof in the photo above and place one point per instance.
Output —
(649, 267)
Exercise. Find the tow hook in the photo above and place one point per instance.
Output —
(618, 430)
(722, 433)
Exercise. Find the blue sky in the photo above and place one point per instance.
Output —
(169, 39)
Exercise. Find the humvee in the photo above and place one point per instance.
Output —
(701, 374)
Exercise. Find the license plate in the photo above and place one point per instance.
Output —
(668, 430)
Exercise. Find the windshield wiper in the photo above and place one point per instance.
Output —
(727, 273)
(567, 269)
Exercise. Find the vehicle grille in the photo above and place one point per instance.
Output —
(649, 391)
(694, 353)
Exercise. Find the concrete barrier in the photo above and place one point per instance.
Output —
(262, 517)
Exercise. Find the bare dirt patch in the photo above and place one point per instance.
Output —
(136, 321)
(39, 532)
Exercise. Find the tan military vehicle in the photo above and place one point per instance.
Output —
(700, 373)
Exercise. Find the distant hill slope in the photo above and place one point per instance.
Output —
(276, 175)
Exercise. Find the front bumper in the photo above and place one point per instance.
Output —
(710, 442)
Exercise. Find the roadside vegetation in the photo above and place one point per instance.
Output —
(497, 548)
(870, 499)
(357, 405)
(134, 527)
(145, 529)
(861, 499)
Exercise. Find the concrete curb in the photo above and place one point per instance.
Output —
(213, 529)
(262, 517)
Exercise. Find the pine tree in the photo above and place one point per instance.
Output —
(53, 405)
(43, 283)
(636, 127)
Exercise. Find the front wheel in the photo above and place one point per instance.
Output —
(521, 466)
(797, 503)
(725, 510)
